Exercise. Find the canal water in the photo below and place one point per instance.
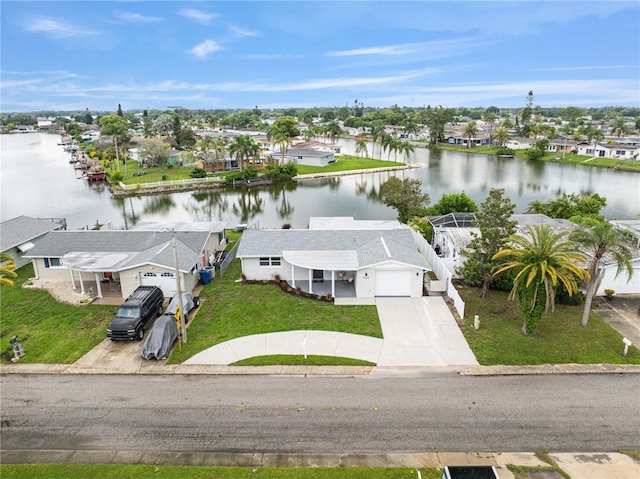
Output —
(36, 179)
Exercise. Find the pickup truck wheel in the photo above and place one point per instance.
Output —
(140, 334)
(160, 310)
(196, 302)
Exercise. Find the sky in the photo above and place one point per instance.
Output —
(74, 55)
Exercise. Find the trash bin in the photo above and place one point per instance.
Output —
(205, 276)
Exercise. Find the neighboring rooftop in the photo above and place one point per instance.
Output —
(22, 229)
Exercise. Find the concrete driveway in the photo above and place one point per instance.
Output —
(421, 332)
(417, 332)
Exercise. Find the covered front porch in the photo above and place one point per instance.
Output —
(323, 272)
(340, 289)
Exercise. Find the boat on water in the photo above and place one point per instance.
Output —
(96, 175)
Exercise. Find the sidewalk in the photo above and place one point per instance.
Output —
(609, 465)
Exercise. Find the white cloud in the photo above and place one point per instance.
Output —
(242, 32)
(205, 48)
(198, 15)
(389, 50)
(57, 28)
(137, 17)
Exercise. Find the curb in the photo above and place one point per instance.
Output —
(197, 369)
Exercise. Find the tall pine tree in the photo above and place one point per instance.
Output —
(495, 228)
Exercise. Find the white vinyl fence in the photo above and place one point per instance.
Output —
(440, 270)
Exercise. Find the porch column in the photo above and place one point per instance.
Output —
(98, 286)
(81, 282)
(333, 283)
(73, 280)
(293, 276)
(310, 281)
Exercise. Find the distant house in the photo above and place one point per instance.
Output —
(130, 258)
(460, 139)
(618, 151)
(374, 258)
(19, 235)
(519, 143)
(309, 156)
(450, 239)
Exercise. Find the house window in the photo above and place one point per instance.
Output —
(52, 263)
(270, 261)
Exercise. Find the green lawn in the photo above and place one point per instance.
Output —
(347, 163)
(51, 332)
(551, 157)
(153, 174)
(231, 309)
(299, 360)
(112, 471)
(559, 338)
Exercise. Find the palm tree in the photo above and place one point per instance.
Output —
(361, 148)
(243, 147)
(502, 136)
(406, 148)
(619, 128)
(470, 131)
(7, 268)
(600, 237)
(543, 260)
(333, 130)
(490, 119)
(566, 131)
(284, 142)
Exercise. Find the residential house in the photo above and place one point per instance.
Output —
(127, 259)
(20, 234)
(609, 150)
(309, 156)
(451, 239)
(349, 259)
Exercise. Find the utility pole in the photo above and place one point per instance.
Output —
(183, 329)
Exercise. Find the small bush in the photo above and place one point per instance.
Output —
(165, 177)
(198, 173)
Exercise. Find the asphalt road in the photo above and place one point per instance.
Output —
(434, 412)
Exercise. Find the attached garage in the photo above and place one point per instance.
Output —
(393, 283)
(165, 280)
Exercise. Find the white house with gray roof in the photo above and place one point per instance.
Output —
(20, 234)
(129, 258)
(374, 262)
(309, 156)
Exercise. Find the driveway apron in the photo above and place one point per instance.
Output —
(421, 332)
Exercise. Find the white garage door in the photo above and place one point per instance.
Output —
(393, 283)
(165, 281)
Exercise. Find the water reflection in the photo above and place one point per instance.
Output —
(207, 205)
(57, 192)
(248, 205)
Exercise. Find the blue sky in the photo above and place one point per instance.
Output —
(276, 54)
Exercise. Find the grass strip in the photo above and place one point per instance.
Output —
(113, 471)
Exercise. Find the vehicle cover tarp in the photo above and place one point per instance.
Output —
(187, 303)
(161, 338)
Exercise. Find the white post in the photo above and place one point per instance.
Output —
(627, 343)
(333, 284)
(476, 322)
(98, 286)
(310, 281)
(81, 282)
(73, 280)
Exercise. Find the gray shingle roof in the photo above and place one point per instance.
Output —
(141, 247)
(369, 244)
(21, 229)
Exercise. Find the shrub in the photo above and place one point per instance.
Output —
(534, 154)
(116, 176)
(165, 177)
(198, 173)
